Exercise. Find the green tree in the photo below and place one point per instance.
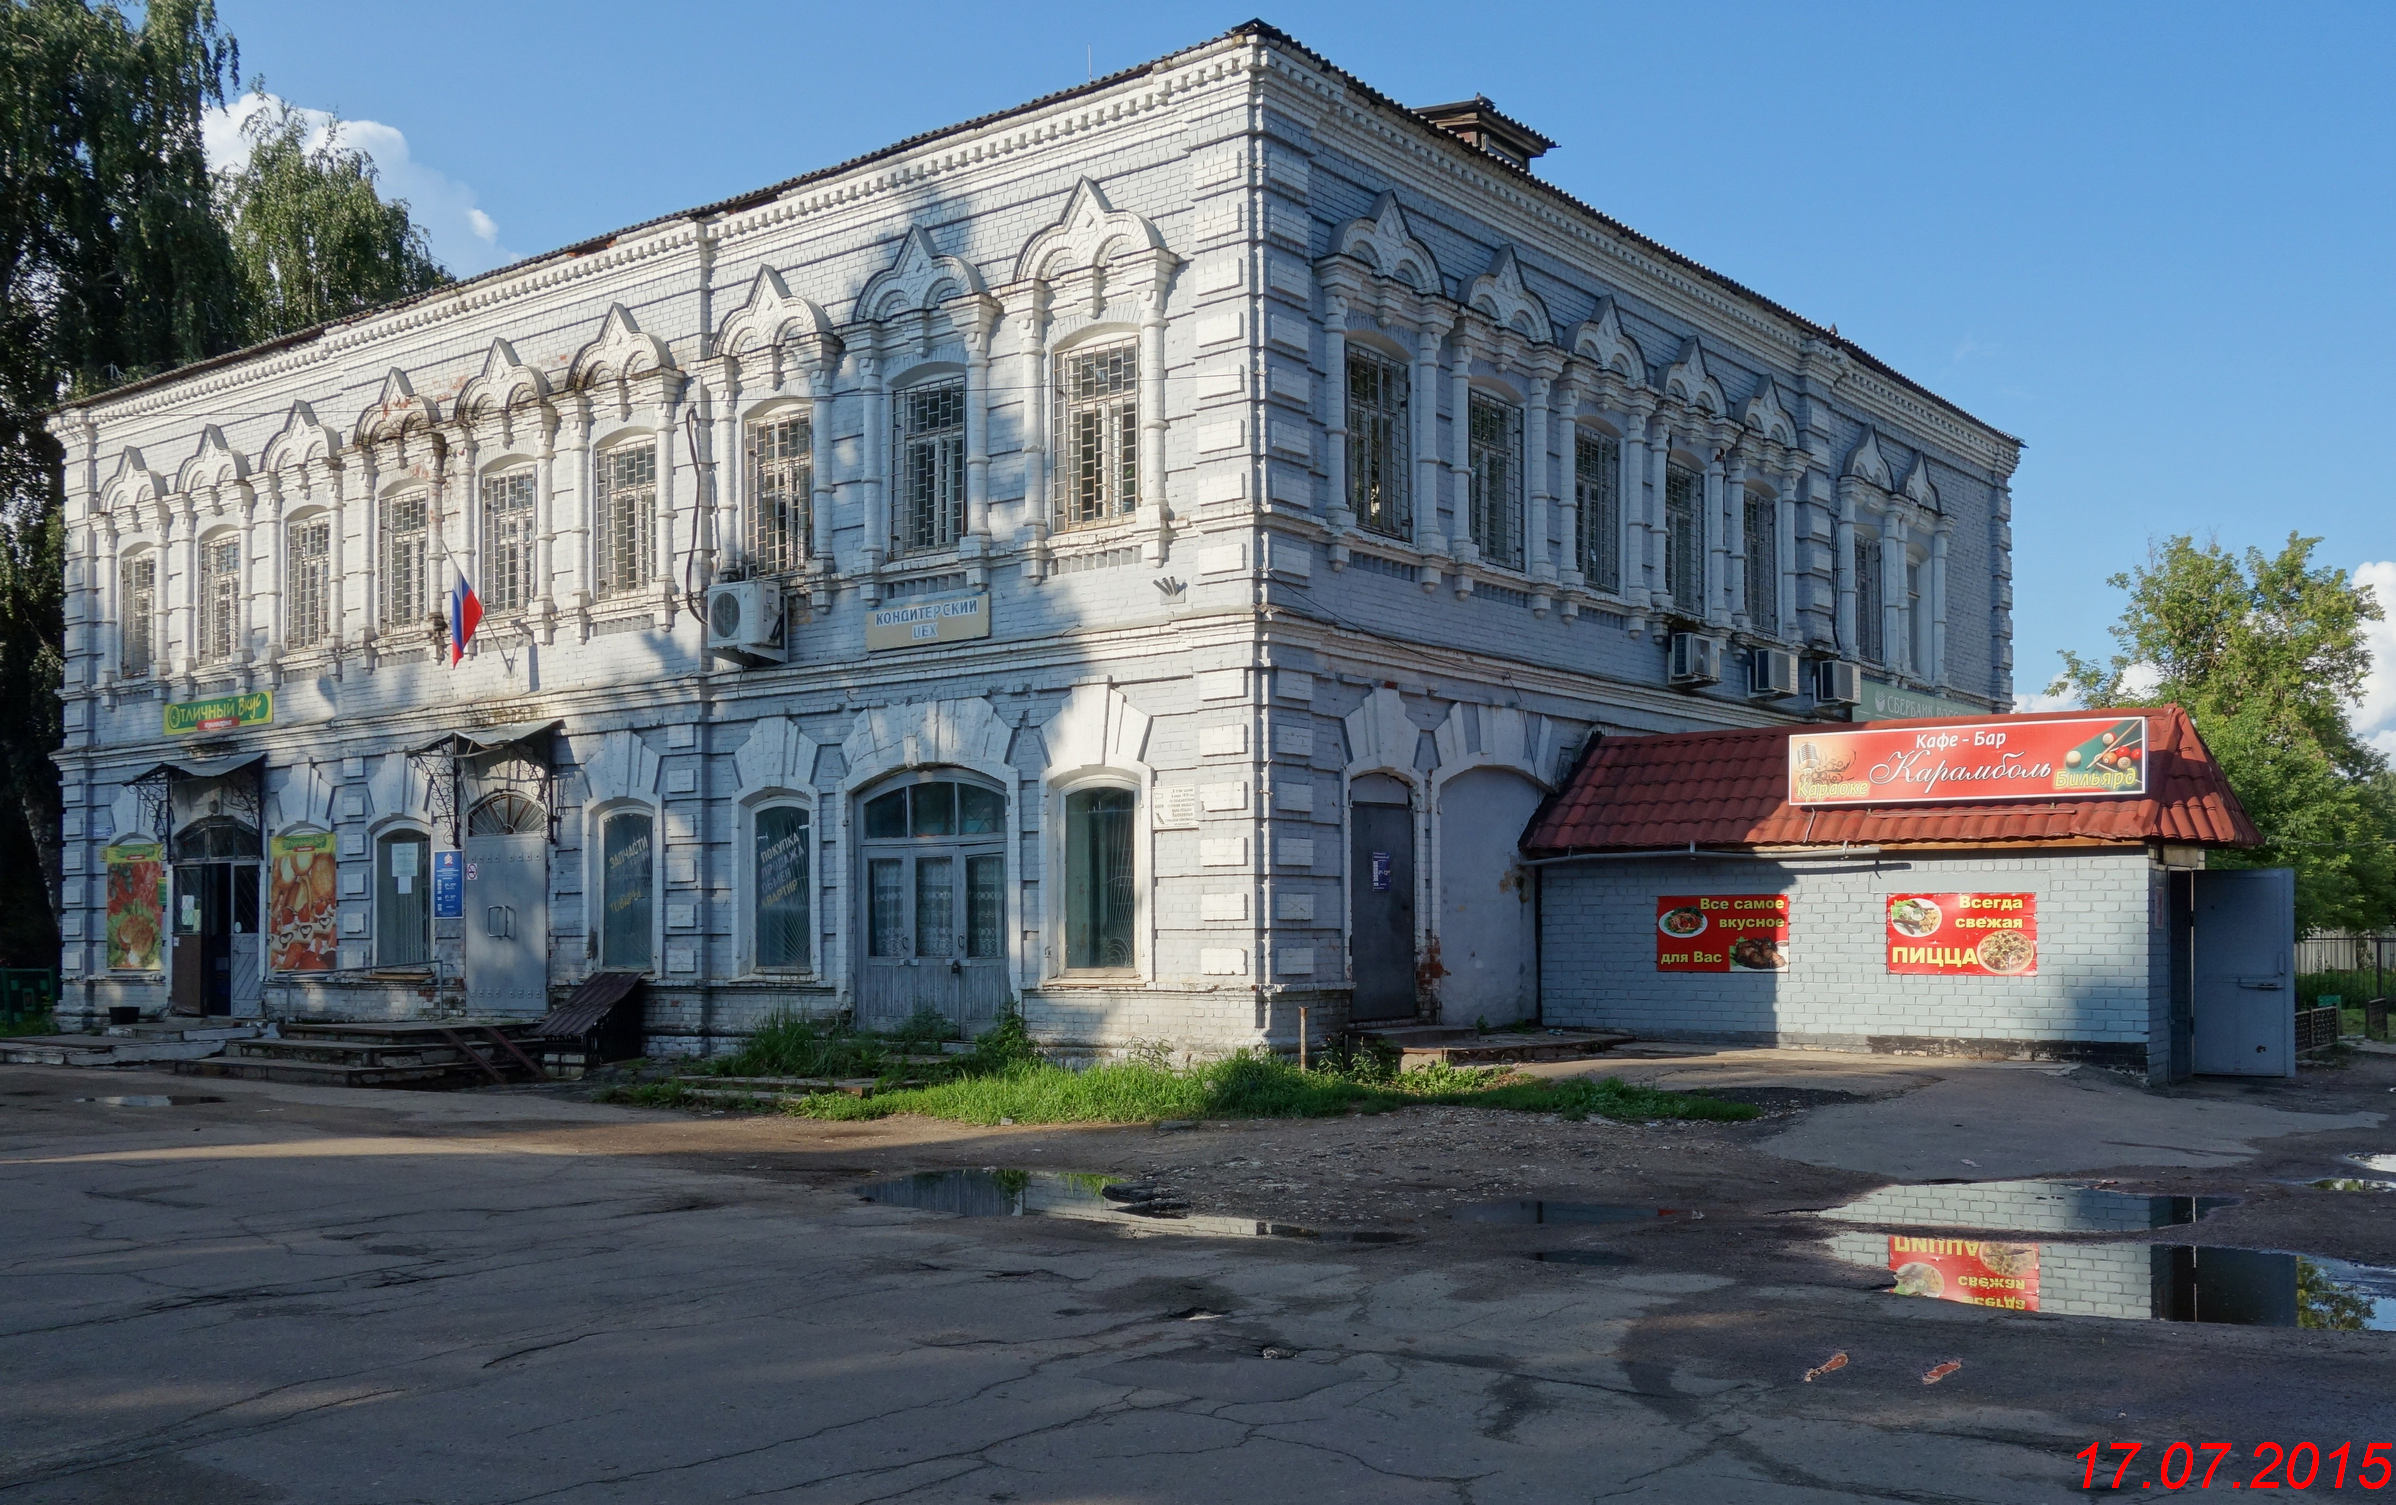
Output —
(2268, 655)
(313, 238)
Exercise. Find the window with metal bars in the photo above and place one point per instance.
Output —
(509, 550)
(220, 599)
(137, 618)
(1871, 599)
(1496, 511)
(781, 493)
(309, 571)
(1377, 482)
(1762, 522)
(400, 603)
(1684, 541)
(931, 468)
(1098, 435)
(1597, 490)
(627, 543)
(1917, 621)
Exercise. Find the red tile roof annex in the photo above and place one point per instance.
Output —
(1730, 789)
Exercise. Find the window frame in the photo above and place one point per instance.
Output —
(379, 869)
(1684, 540)
(1494, 478)
(1763, 563)
(145, 615)
(788, 474)
(1056, 859)
(308, 581)
(612, 497)
(397, 546)
(597, 858)
(218, 632)
(1117, 493)
(510, 584)
(751, 897)
(1383, 450)
(964, 846)
(1871, 599)
(1597, 489)
(1073, 850)
(933, 523)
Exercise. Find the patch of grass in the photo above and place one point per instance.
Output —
(27, 1024)
(1580, 1098)
(2352, 988)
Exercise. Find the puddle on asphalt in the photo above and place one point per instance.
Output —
(1582, 1257)
(995, 1192)
(2138, 1282)
(1528, 1212)
(149, 1100)
(2375, 1162)
(2022, 1207)
(2348, 1183)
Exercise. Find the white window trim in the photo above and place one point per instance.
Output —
(1053, 859)
(594, 882)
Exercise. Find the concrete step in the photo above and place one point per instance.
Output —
(101, 1050)
(329, 1074)
(404, 1031)
(347, 1052)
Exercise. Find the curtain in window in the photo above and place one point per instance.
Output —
(781, 892)
(1597, 488)
(1099, 891)
(781, 481)
(1377, 483)
(931, 468)
(628, 877)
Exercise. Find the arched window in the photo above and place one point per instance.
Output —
(626, 546)
(405, 531)
(1101, 892)
(507, 813)
(1496, 514)
(220, 599)
(1098, 434)
(403, 901)
(930, 514)
(1597, 489)
(1377, 480)
(781, 483)
(780, 914)
(137, 617)
(627, 890)
(308, 572)
(508, 557)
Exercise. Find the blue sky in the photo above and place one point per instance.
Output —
(2152, 240)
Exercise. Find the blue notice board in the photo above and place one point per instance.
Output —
(449, 885)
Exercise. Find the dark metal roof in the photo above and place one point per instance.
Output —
(200, 768)
(1255, 29)
(482, 739)
(589, 1006)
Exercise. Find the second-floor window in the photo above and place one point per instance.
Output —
(627, 543)
(1871, 598)
(1377, 491)
(137, 614)
(220, 599)
(1597, 489)
(1496, 519)
(781, 480)
(405, 532)
(931, 468)
(1684, 541)
(509, 549)
(309, 569)
(1763, 564)
(1098, 435)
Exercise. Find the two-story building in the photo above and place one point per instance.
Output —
(1142, 555)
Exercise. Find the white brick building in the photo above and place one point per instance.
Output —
(1246, 473)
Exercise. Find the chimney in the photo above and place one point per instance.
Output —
(1476, 122)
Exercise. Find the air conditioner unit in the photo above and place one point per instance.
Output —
(1696, 659)
(1771, 674)
(744, 621)
(1838, 682)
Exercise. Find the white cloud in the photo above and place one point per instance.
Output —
(463, 238)
(2375, 712)
(2139, 680)
(2056, 697)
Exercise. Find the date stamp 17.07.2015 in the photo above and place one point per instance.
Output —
(2185, 1465)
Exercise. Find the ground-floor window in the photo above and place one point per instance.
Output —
(403, 900)
(627, 890)
(1100, 892)
(780, 909)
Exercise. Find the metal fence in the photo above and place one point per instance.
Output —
(27, 993)
(2349, 951)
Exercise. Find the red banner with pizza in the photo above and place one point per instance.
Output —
(1975, 1271)
(2074, 757)
(1963, 935)
(1722, 933)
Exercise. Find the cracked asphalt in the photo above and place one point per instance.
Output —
(300, 1295)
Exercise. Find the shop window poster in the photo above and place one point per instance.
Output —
(300, 903)
(1973, 1271)
(136, 905)
(1966, 935)
(1722, 933)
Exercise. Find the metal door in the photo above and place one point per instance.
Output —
(933, 891)
(1381, 911)
(2244, 966)
(244, 947)
(507, 924)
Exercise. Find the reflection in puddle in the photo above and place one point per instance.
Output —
(2023, 1207)
(2154, 1282)
(2350, 1183)
(1581, 1257)
(2375, 1162)
(1566, 1212)
(994, 1192)
(149, 1100)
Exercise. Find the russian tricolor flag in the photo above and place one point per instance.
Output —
(465, 614)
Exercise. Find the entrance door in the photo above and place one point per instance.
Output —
(2245, 972)
(935, 896)
(215, 938)
(1380, 901)
(507, 906)
(1487, 940)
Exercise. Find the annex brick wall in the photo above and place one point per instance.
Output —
(2009, 1207)
(1597, 961)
